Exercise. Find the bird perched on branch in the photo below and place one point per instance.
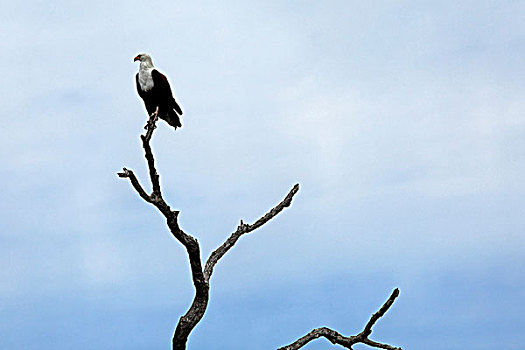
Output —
(154, 89)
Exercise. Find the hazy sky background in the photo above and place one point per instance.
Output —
(403, 122)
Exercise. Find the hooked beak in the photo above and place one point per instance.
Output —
(136, 58)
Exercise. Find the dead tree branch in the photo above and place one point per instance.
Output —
(347, 342)
(246, 228)
(200, 277)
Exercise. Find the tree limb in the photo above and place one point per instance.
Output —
(243, 228)
(196, 311)
(347, 342)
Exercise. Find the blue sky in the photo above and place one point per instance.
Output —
(404, 123)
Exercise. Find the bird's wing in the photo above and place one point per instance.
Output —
(161, 84)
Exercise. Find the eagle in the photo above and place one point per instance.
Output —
(155, 91)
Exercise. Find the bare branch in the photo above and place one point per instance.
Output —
(198, 307)
(201, 277)
(368, 328)
(333, 336)
(190, 243)
(347, 342)
(149, 154)
(196, 311)
(151, 125)
(129, 174)
(243, 228)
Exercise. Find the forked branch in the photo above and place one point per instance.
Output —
(347, 342)
(200, 277)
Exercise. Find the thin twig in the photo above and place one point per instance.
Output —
(136, 185)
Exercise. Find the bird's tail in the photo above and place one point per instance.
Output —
(173, 119)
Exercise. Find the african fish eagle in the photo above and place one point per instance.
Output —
(154, 89)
